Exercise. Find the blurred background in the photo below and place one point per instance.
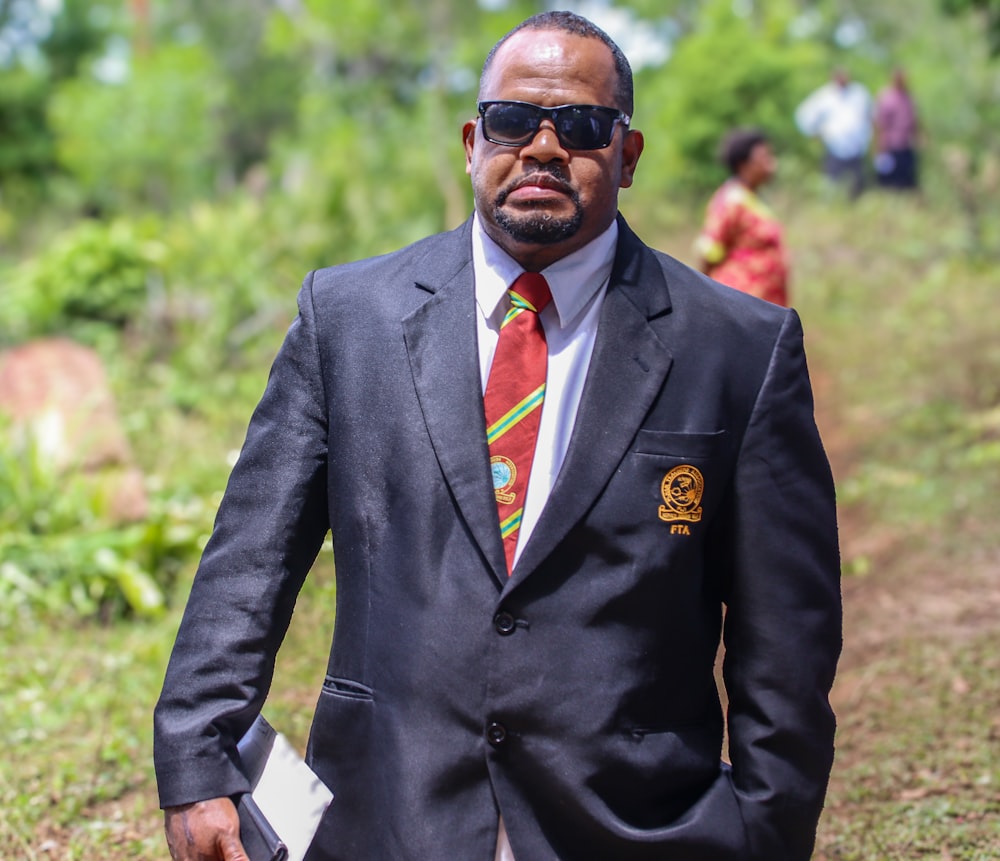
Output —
(169, 172)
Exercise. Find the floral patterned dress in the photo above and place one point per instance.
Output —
(742, 244)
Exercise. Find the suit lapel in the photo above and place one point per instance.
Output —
(440, 339)
(627, 370)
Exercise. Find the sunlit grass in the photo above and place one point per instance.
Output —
(918, 772)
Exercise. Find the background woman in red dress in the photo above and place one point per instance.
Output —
(741, 241)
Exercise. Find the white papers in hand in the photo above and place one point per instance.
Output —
(292, 797)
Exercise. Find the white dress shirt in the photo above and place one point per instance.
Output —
(577, 283)
(841, 116)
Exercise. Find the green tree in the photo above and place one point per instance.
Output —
(79, 32)
(731, 70)
(988, 10)
(150, 140)
(260, 87)
(377, 154)
(26, 143)
(41, 49)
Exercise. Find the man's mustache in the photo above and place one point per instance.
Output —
(550, 176)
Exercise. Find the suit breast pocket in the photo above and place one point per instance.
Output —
(679, 478)
(679, 445)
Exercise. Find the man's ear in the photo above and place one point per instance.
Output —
(631, 150)
(469, 141)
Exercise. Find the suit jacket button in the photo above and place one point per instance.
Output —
(504, 623)
(496, 734)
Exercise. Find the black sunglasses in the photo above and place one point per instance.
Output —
(577, 126)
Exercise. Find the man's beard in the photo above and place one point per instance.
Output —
(538, 227)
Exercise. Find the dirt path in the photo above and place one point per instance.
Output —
(911, 587)
(912, 773)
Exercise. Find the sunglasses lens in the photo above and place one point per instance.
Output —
(584, 128)
(511, 123)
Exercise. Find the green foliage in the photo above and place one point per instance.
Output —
(260, 87)
(95, 275)
(915, 349)
(731, 71)
(61, 553)
(41, 48)
(79, 32)
(26, 144)
(341, 178)
(989, 10)
(151, 140)
(231, 274)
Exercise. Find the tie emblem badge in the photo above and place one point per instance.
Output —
(504, 476)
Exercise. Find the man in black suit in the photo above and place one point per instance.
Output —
(546, 691)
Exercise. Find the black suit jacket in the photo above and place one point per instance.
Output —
(577, 696)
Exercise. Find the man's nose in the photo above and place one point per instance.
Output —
(545, 146)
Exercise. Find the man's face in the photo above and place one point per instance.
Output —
(541, 201)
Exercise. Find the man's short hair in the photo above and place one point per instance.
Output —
(569, 22)
(737, 145)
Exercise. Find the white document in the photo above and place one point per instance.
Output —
(288, 792)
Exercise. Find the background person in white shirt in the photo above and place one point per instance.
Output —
(840, 114)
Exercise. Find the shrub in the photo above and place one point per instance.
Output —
(59, 551)
(95, 273)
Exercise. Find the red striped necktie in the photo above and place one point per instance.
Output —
(513, 402)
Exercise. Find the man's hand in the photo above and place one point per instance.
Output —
(204, 831)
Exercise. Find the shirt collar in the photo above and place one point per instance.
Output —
(573, 280)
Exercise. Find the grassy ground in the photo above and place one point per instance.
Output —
(906, 361)
(901, 335)
(76, 779)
